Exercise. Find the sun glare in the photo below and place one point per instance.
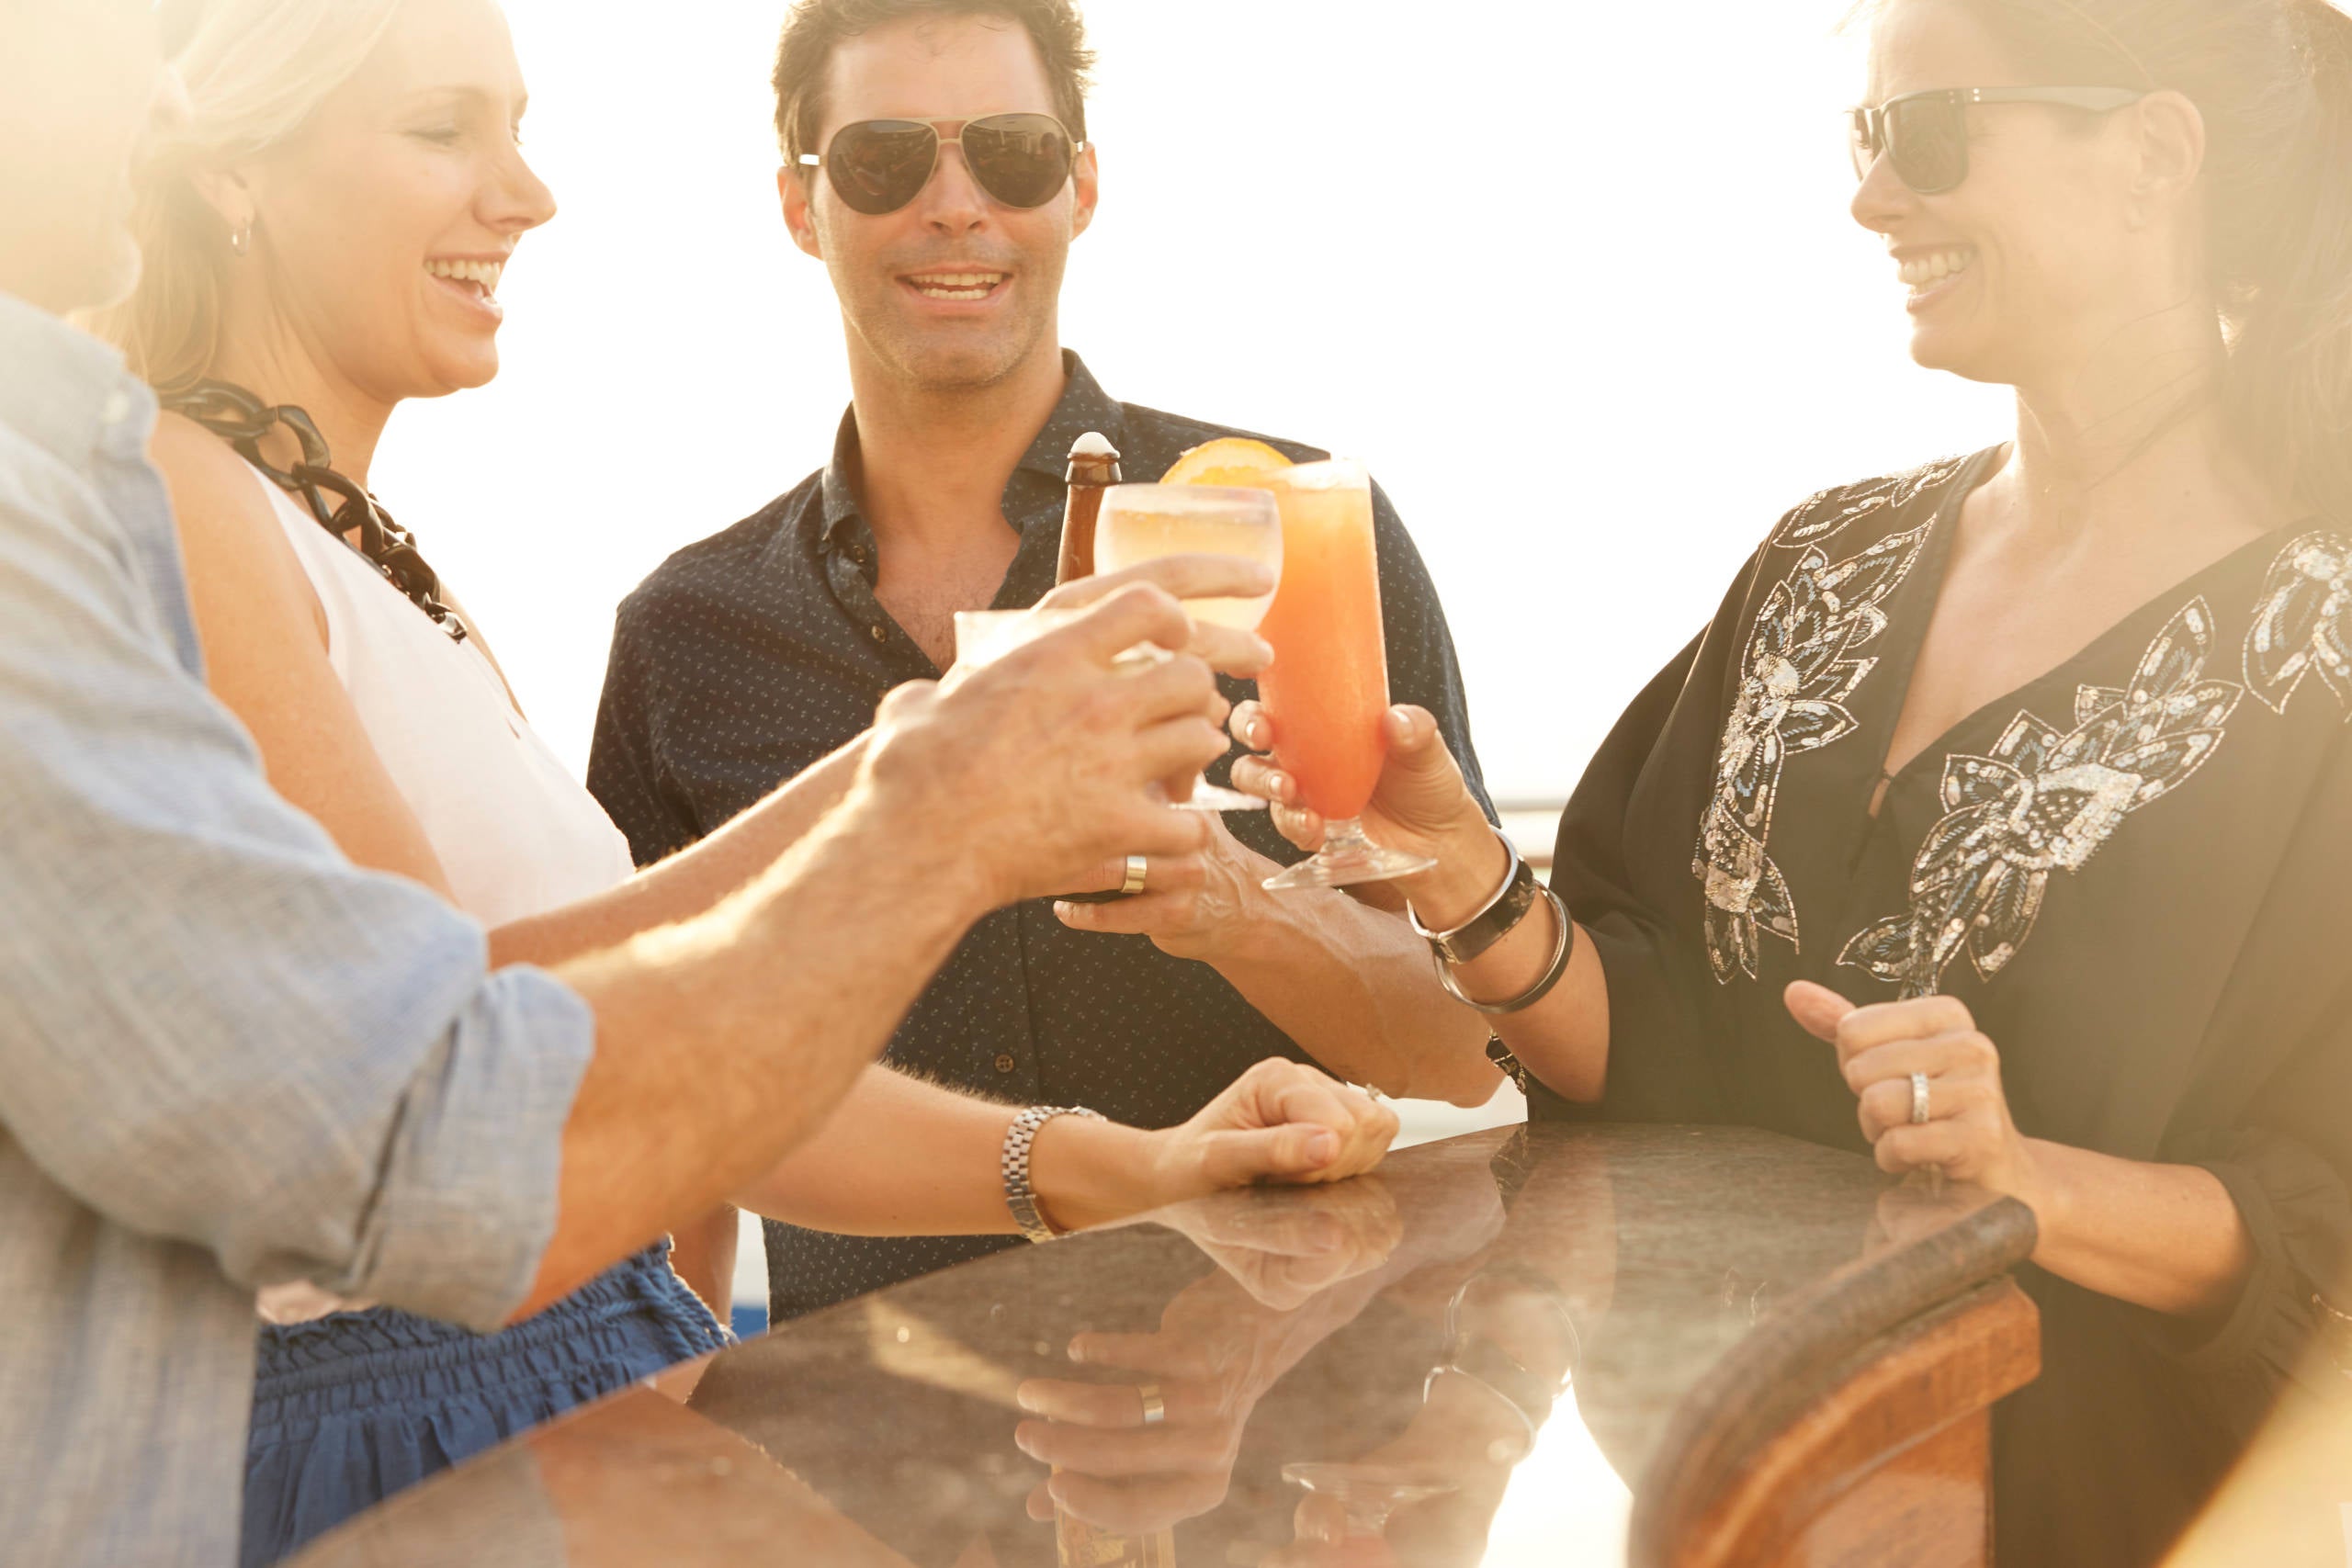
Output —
(1576, 282)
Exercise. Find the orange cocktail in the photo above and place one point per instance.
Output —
(1327, 689)
(1328, 685)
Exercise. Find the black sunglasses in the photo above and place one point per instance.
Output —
(1927, 133)
(879, 165)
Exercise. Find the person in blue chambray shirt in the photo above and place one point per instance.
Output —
(229, 1059)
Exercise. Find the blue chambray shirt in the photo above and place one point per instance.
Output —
(228, 1058)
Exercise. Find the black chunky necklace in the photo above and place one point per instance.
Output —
(242, 420)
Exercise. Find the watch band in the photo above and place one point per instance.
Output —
(1494, 919)
(1019, 1196)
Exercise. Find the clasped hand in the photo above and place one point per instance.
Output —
(1968, 1132)
(1281, 1122)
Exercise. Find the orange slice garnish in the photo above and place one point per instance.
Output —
(1234, 460)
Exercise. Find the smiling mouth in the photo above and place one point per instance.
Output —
(1930, 270)
(479, 278)
(960, 287)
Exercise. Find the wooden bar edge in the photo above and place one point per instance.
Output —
(1889, 1367)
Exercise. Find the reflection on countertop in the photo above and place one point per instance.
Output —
(1549, 1345)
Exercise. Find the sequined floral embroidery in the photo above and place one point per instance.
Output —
(2044, 801)
(1835, 510)
(2302, 625)
(1796, 674)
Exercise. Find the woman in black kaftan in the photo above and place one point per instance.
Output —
(2001, 820)
(2132, 871)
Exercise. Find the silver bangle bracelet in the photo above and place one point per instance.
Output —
(1510, 875)
(1019, 1196)
(1561, 949)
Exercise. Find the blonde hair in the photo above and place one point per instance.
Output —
(255, 72)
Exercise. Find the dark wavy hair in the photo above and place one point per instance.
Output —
(816, 27)
(2273, 79)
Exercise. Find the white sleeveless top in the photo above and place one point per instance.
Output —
(515, 833)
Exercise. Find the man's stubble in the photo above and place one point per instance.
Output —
(953, 359)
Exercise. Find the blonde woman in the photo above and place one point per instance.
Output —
(328, 243)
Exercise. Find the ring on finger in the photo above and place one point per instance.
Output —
(1138, 873)
(1155, 1408)
(1918, 1099)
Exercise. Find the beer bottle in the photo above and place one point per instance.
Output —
(1093, 468)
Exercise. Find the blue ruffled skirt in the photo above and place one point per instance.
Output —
(353, 1407)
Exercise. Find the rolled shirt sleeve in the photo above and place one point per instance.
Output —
(212, 1027)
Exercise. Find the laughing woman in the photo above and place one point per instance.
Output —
(329, 242)
(1999, 821)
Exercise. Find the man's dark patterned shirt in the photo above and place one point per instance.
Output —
(763, 649)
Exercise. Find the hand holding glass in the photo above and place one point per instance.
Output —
(1327, 688)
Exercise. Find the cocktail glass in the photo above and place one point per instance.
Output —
(1327, 689)
(1141, 523)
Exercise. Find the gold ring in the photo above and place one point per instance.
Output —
(1155, 1409)
(1138, 872)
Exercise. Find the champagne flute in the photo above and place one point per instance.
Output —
(1328, 689)
(1141, 523)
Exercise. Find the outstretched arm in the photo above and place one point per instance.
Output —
(859, 1174)
(1008, 781)
(1350, 983)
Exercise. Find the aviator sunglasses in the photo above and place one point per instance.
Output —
(879, 165)
(1926, 134)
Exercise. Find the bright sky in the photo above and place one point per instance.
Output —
(1577, 281)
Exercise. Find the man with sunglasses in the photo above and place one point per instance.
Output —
(936, 161)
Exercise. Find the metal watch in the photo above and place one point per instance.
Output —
(1019, 1196)
(1493, 922)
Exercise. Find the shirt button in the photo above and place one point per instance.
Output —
(878, 633)
(1004, 1063)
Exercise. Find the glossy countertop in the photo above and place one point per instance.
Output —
(1655, 1277)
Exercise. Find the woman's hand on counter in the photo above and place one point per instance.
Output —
(1968, 1132)
(2164, 1237)
(1280, 1124)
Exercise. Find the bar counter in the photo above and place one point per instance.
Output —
(1562, 1346)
